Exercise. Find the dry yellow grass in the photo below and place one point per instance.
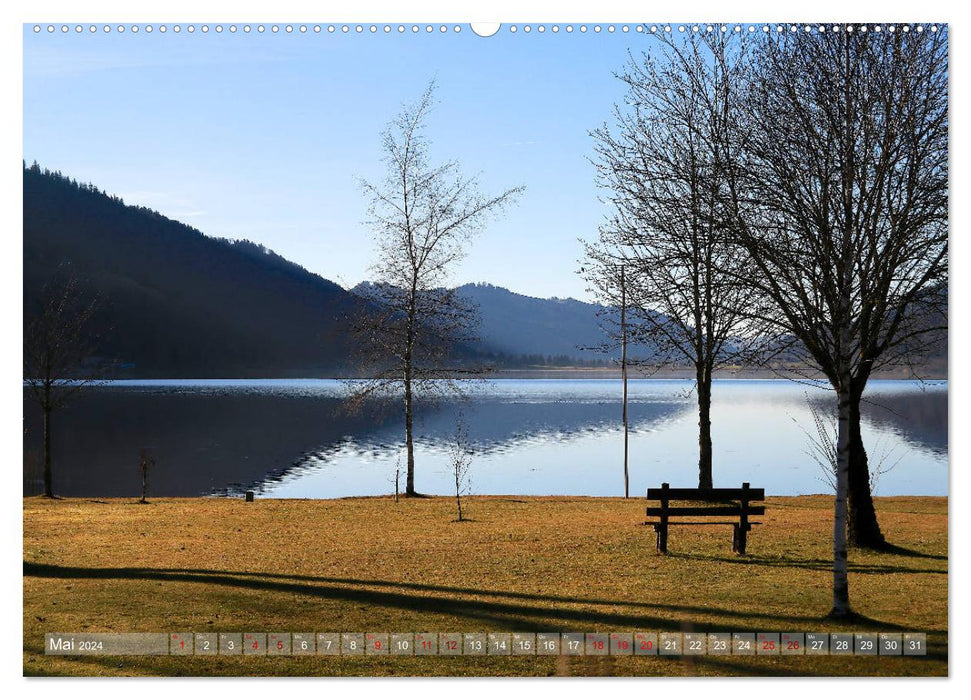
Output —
(521, 564)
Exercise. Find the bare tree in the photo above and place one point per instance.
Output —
(822, 443)
(839, 195)
(397, 479)
(664, 255)
(58, 341)
(822, 449)
(423, 216)
(461, 459)
(145, 464)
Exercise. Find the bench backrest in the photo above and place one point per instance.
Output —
(742, 509)
(666, 493)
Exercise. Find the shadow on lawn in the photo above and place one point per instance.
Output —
(746, 666)
(155, 666)
(905, 552)
(814, 564)
(516, 615)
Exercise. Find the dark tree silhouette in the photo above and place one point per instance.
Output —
(839, 197)
(145, 465)
(665, 248)
(58, 346)
(423, 217)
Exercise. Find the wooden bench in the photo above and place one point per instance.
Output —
(741, 510)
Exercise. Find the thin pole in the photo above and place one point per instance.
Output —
(623, 369)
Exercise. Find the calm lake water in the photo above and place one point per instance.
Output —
(293, 439)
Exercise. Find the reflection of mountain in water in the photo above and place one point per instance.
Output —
(201, 442)
(919, 417)
(494, 426)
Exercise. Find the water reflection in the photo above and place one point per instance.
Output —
(917, 416)
(202, 441)
(293, 439)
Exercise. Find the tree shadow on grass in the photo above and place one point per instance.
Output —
(813, 564)
(176, 666)
(526, 613)
(905, 552)
(753, 666)
(747, 666)
(220, 576)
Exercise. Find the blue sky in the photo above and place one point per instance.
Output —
(265, 136)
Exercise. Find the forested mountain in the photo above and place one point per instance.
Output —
(176, 302)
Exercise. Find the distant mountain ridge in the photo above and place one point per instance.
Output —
(514, 324)
(515, 328)
(179, 303)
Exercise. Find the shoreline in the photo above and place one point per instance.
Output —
(511, 497)
(516, 374)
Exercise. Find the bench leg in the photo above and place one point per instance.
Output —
(662, 538)
(739, 537)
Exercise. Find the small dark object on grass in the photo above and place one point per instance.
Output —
(249, 496)
(145, 463)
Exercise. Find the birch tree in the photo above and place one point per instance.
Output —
(423, 216)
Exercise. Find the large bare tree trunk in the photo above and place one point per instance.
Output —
(841, 588)
(864, 530)
(837, 171)
(844, 374)
(704, 430)
(48, 478)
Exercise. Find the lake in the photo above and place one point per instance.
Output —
(294, 439)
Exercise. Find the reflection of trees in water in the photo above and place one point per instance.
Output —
(919, 417)
(201, 442)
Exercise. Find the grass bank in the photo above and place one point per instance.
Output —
(521, 564)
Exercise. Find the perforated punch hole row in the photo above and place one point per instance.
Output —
(480, 29)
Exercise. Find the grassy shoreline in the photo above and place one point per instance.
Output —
(521, 564)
